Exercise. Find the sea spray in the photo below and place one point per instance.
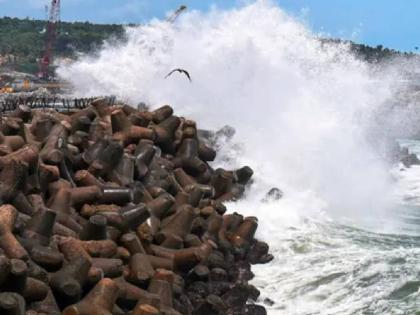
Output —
(300, 107)
(305, 114)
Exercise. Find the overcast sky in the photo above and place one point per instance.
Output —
(392, 23)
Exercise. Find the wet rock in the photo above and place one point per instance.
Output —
(219, 287)
(199, 287)
(115, 210)
(265, 259)
(226, 131)
(213, 304)
(273, 194)
(410, 159)
(237, 296)
(268, 302)
(199, 273)
(252, 309)
(218, 274)
(257, 251)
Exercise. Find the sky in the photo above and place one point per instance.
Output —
(391, 23)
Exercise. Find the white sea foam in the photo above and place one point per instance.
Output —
(305, 115)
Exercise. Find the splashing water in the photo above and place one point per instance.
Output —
(303, 112)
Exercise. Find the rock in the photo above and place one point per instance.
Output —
(218, 274)
(237, 296)
(257, 251)
(116, 210)
(252, 309)
(273, 194)
(268, 302)
(199, 273)
(409, 160)
(265, 259)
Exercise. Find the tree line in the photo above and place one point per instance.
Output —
(22, 42)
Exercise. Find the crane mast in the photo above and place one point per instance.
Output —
(51, 37)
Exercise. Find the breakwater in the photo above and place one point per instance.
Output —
(112, 210)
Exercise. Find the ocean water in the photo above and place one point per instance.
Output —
(311, 120)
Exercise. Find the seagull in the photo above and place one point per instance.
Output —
(177, 13)
(180, 71)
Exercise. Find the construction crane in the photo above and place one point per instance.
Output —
(51, 37)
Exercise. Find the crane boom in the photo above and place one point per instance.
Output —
(51, 36)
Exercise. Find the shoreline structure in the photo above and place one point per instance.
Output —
(113, 210)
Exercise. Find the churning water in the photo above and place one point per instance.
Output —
(309, 120)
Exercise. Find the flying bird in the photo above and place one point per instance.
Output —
(180, 71)
(177, 13)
